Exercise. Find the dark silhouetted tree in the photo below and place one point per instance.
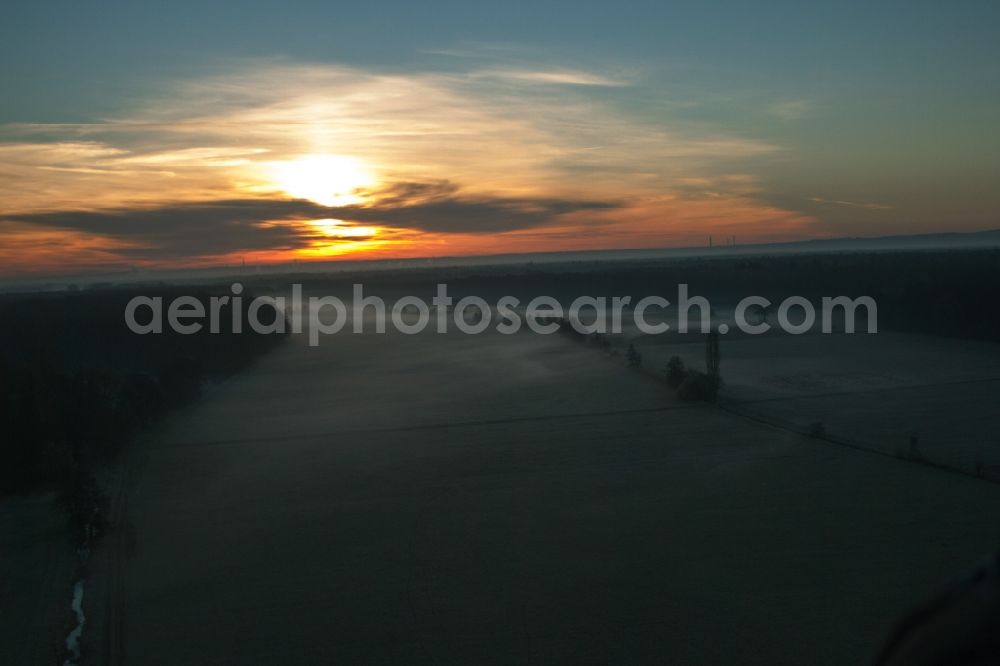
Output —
(633, 356)
(712, 358)
(675, 372)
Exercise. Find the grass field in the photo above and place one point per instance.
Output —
(492, 499)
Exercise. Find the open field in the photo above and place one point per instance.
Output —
(492, 499)
(874, 390)
(510, 498)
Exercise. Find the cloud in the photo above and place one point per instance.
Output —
(852, 204)
(198, 229)
(554, 76)
(511, 130)
(500, 148)
(790, 109)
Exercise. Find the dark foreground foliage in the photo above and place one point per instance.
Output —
(699, 386)
(76, 385)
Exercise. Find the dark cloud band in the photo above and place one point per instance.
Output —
(219, 227)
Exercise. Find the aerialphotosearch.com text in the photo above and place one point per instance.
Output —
(319, 316)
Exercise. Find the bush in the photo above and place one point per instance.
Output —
(633, 356)
(676, 373)
(86, 507)
(697, 386)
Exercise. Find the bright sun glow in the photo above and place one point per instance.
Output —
(337, 237)
(329, 180)
(338, 229)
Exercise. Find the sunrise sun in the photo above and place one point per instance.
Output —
(329, 180)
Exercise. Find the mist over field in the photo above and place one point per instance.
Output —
(451, 333)
(511, 498)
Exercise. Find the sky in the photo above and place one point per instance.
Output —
(183, 134)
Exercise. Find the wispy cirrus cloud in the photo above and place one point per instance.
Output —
(518, 137)
(523, 149)
(566, 77)
(852, 204)
(793, 109)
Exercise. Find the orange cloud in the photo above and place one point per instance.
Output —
(524, 150)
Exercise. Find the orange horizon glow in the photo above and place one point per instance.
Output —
(405, 146)
(333, 239)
